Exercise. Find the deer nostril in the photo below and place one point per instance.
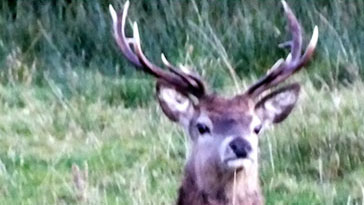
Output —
(233, 146)
(240, 147)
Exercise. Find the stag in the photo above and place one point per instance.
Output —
(222, 167)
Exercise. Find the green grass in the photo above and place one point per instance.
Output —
(67, 97)
(134, 155)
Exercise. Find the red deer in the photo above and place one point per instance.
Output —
(222, 167)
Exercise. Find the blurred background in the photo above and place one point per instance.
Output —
(78, 124)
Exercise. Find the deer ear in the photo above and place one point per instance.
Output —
(276, 106)
(175, 105)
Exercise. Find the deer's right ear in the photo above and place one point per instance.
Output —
(175, 105)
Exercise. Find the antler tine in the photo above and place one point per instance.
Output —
(192, 78)
(296, 42)
(187, 84)
(119, 34)
(294, 61)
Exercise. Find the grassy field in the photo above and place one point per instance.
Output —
(79, 126)
(135, 156)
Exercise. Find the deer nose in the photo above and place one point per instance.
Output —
(240, 147)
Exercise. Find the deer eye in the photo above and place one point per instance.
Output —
(257, 129)
(202, 128)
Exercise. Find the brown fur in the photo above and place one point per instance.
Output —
(217, 104)
(247, 191)
(218, 186)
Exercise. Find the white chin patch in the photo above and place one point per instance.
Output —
(239, 163)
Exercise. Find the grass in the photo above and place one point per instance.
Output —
(78, 125)
(56, 35)
(135, 155)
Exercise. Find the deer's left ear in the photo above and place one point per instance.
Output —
(276, 106)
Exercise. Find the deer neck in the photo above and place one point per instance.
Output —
(240, 188)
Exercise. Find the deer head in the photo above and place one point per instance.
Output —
(223, 131)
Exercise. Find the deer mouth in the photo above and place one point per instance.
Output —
(238, 163)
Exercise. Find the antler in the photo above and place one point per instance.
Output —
(131, 48)
(283, 69)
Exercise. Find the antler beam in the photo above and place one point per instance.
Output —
(283, 69)
(131, 48)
